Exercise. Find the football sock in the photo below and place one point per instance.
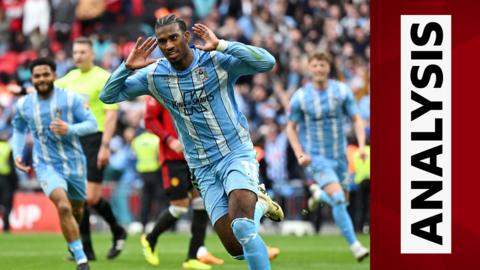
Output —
(85, 231)
(342, 218)
(104, 209)
(164, 221)
(260, 209)
(323, 197)
(198, 229)
(77, 250)
(254, 249)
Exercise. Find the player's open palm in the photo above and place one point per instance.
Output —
(207, 35)
(139, 56)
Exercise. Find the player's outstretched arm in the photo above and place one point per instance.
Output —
(250, 59)
(121, 85)
(18, 139)
(85, 122)
(302, 157)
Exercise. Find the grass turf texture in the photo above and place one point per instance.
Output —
(48, 251)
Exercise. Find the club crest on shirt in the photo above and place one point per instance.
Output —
(201, 74)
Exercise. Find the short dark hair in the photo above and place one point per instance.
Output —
(169, 19)
(83, 40)
(43, 61)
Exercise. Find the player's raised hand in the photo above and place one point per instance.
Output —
(139, 56)
(207, 35)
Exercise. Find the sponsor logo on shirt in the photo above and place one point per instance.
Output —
(193, 101)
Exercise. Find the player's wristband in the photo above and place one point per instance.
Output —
(106, 144)
(222, 45)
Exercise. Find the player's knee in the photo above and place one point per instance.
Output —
(244, 230)
(177, 211)
(197, 204)
(338, 198)
(64, 208)
(242, 203)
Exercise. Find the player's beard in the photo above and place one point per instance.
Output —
(44, 89)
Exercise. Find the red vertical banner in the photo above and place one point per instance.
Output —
(33, 212)
(424, 206)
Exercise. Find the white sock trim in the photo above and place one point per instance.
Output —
(177, 211)
(197, 204)
(202, 251)
(355, 245)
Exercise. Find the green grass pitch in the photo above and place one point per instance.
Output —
(48, 251)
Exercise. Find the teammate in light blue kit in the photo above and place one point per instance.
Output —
(319, 110)
(195, 84)
(56, 118)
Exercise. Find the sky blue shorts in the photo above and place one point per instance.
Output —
(50, 179)
(325, 171)
(237, 170)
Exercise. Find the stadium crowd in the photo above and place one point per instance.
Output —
(289, 29)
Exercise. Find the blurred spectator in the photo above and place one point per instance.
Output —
(36, 21)
(14, 11)
(359, 207)
(276, 159)
(101, 46)
(123, 162)
(64, 64)
(8, 179)
(63, 19)
(145, 147)
(4, 31)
